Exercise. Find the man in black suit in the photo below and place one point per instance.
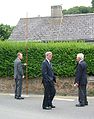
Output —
(81, 80)
(48, 82)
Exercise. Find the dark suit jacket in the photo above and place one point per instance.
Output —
(81, 73)
(18, 69)
(47, 72)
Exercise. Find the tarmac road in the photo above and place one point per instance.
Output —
(30, 108)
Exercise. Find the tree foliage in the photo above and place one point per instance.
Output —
(92, 2)
(78, 10)
(5, 31)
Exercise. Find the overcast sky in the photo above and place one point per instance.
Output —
(12, 10)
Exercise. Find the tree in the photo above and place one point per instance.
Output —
(74, 10)
(92, 2)
(78, 10)
(5, 31)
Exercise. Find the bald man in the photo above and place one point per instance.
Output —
(18, 75)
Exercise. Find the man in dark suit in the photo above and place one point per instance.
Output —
(48, 82)
(18, 75)
(81, 80)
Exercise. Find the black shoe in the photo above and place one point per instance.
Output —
(16, 97)
(47, 108)
(19, 98)
(52, 106)
(86, 104)
(80, 105)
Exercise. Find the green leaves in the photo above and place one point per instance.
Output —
(64, 57)
(80, 9)
(5, 31)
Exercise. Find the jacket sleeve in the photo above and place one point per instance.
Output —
(20, 68)
(44, 72)
(78, 74)
(54, 78)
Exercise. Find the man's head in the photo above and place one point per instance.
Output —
(20, 55)
(48, 55)
(80, 56)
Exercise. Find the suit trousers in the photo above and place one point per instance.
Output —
(82, 94)
(49, 93)
(18, 87)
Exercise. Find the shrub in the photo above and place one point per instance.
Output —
(64, 55)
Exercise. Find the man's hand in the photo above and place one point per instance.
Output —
(23, 76)
(25, 64)
(76, 85)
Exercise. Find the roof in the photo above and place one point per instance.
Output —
(68, 27)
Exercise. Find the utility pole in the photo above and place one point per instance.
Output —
(26, 37)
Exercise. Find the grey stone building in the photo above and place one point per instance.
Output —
(56, 27)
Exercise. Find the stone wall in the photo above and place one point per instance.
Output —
(64, 86)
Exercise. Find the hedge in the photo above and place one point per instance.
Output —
(64, 55)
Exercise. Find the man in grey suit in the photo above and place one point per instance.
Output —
(81, 80)
(48, 82)
(18, 75)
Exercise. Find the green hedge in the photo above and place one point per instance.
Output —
(64, 55)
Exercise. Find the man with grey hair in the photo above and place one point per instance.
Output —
(81, 80)
(18, 75)
(48, 82)
(81, 56)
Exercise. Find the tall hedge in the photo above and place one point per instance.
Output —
(64, 55)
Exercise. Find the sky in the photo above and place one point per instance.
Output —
(12, 10)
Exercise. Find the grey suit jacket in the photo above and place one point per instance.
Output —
(18, 69)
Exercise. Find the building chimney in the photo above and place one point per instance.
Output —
(56, 11)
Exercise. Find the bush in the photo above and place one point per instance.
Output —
(64, 55)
